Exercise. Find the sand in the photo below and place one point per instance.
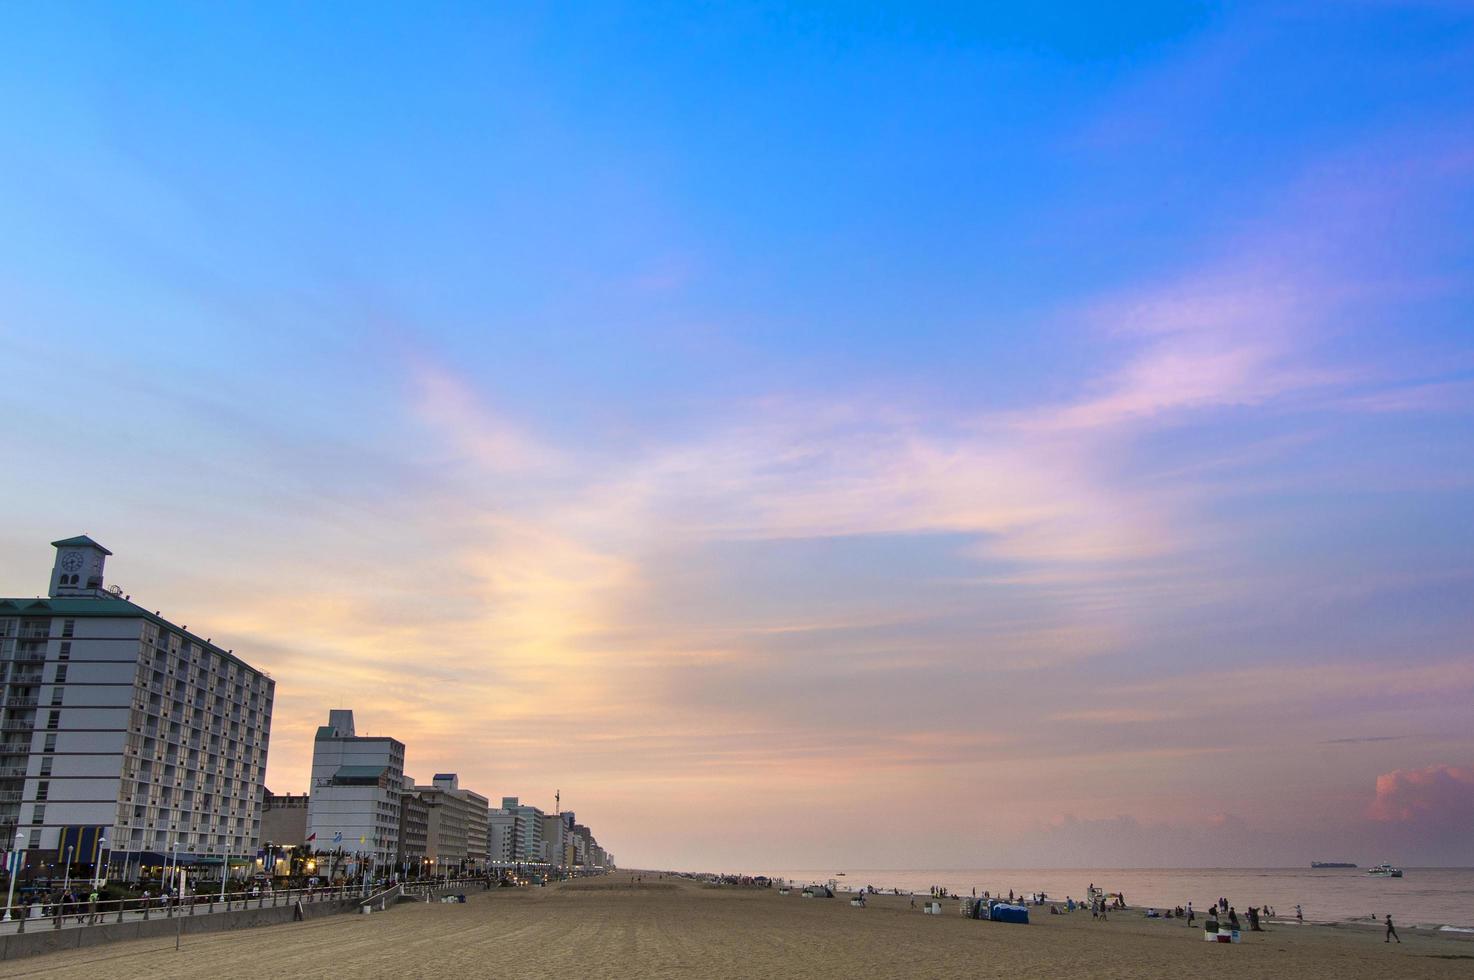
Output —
(609, 928)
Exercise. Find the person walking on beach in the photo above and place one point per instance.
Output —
(1391, 933)
(1233, 919)
(1189, 915)
(1299, 915)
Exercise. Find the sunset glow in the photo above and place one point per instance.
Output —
(724, 417)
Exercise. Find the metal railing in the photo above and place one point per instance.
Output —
(55, 914)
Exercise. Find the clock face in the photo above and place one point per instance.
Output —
(72, 562)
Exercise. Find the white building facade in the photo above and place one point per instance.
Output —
(355, 796)
(120, 726)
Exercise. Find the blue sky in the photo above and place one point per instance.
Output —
(760, 403)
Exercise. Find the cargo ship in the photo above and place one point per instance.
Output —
(1385, 871)
(1331, 864)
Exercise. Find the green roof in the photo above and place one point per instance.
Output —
(109, 608)
(352, 771)
(359, 775)
(80, 541)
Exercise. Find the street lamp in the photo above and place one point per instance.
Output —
(66, 878)
(224, 868)
(97, 863)
(15, 859)
(174, 854)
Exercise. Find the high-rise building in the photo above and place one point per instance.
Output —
(552, 838)
(501, 837)
(414, 830)
(457, 833)
(121, 726)
(354, 800)
(527, 839)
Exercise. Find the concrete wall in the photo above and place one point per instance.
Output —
(40, 937)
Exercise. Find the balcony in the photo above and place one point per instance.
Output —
(18, 702)
(12, 772)
(18, 726)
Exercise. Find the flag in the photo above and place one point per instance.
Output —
(311, 838)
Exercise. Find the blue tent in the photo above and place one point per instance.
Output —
(1010, 913)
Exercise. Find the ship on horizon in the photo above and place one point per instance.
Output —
(1331, 864)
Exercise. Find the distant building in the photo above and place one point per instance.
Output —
(527, 833)
(501, 837)
(357, 783)
(284, 819)
(414, 831)
(120, 725)
(551, 845)
(457, 831)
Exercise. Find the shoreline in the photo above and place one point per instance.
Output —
(1281, 887)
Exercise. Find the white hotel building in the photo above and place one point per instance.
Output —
(118, 724)
(357, 785)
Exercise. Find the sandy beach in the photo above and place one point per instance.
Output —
(613, 928)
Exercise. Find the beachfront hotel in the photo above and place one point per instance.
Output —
(456, 831)
(124, 736)
(526, 830)
(354, 799)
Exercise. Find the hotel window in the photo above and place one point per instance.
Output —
(53, 720)
(46, 766)
(68, 626)
(50, 743)
(66, 652)
(61, 674)
(56, 696)
(35, 839)
(38, 815)
(43, 790)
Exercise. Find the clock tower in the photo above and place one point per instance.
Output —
(78, 568)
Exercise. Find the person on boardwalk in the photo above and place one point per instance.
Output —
(1391, 933)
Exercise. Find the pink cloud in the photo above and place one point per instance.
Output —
(1435, 796)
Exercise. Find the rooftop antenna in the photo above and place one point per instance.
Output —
(558, 801)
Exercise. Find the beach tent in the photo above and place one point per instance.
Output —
(1009, 913)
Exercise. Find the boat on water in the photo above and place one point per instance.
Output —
(1331, 864)
(1385, 871)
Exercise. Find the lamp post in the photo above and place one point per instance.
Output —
(15, 859)
(224, 868)
(97, 863)
(174, 855)
(66, 878)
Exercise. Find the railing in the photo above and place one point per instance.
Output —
(19, 702)
(56, 915)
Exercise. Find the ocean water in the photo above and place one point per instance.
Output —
(1423, 896)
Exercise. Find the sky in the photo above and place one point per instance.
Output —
(909, 436)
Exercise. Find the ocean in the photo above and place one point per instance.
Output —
(1423, 896)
